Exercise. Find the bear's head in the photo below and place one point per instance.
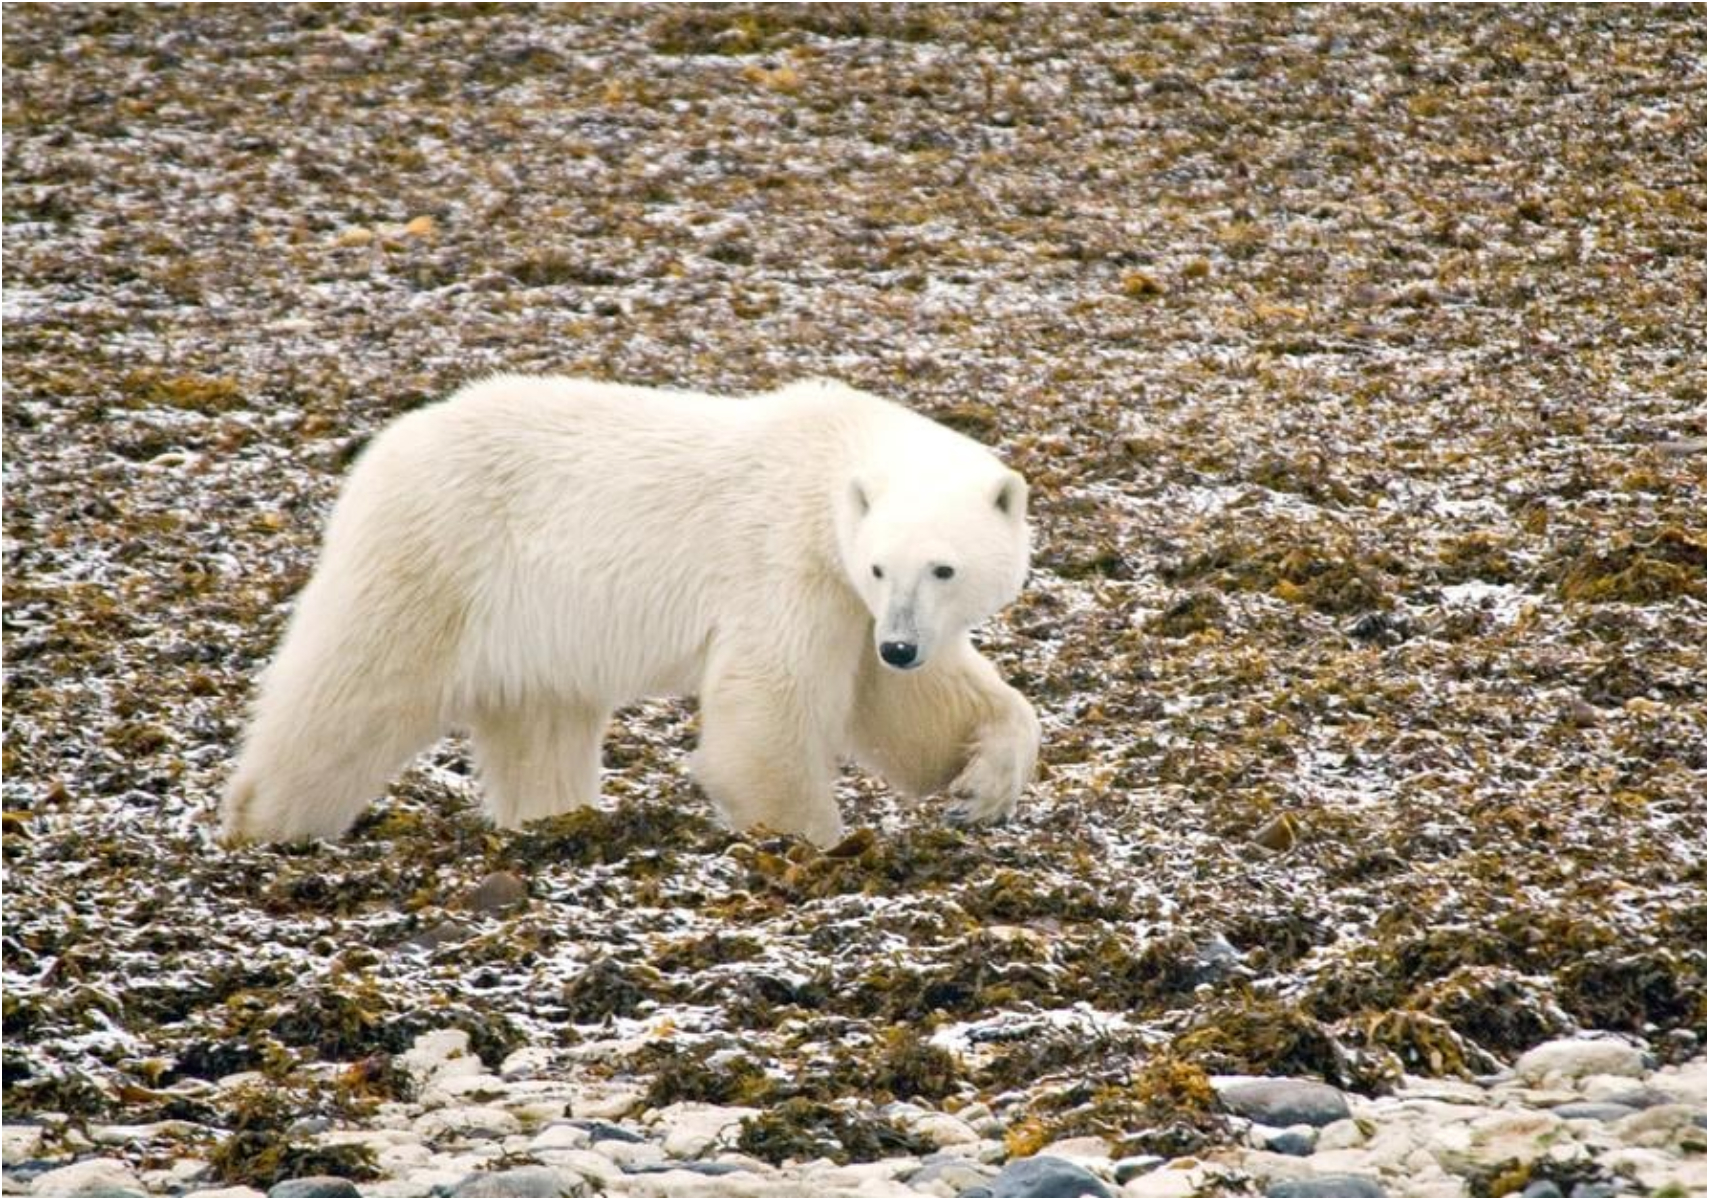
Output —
(933, 556)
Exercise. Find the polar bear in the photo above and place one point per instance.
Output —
(530, 554)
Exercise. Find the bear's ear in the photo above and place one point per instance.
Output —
(1012, 495)
(858, 499)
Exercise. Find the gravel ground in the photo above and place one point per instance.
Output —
(1356, 358)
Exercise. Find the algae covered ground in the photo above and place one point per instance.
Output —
(1355, 355)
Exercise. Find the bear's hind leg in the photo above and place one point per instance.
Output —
(538, 759)
(310, 765)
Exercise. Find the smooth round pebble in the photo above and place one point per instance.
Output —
(1044, 1175)
(1283, 1102)
(314, 1185)
(522, 1182)
(1327, 1185)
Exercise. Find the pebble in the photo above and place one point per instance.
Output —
(1281, 1102)
(949, 1175)
(521, 1181)
(1295, 1141)
(1327, 1185)
(91, 1177)
(1046, 1175)
(943, 1130)
(1574, 1058)
(1586, 1110)
(690, 1130)
(1130, 1168)
(496, 893)
(313, 1185)
(18, 1142)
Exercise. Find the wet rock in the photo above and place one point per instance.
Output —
(1282, 1102)
(1044, 1175)
(1327, 1185)
(499, 892)
(521, 1181)
(313, 1185)
(1573, 1058)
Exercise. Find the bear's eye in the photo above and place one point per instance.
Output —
(944, 572)
(877, 571)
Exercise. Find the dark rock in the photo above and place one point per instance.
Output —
(605, 1131)
(1585, 1110)
(498, 892)
(1327, 1185)
(1214, 960)
(520, 1181)
(1284, 1102)
(1137, 1165)
(699, 1168)
(1545, 1188)
(1297, 1142)
(1593, 1191)
(314, 1185)
(1639, 1097)
(1046, 1175)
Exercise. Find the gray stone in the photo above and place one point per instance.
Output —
(1574, 1058)
(950, 1169)
(1046, 1175)
(605, 1131)
(1283, 1102)
(1327, 1185)
(1542, 1189)
(314, 1185)
(1214, 960)
(1298, 1141)
(520, 1181)
(694, 1165)
(1584, 1110)
(1593, 1191)
(1640, 1097)
(1135, 1166)
(498, 892)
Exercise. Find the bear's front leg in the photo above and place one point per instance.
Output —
(954, 726)
(765, 756)
(1005, 756)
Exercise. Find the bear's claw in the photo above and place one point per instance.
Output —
(986, 790)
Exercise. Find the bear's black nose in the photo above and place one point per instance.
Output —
(898, 654)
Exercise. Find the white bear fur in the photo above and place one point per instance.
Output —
(534, 552)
